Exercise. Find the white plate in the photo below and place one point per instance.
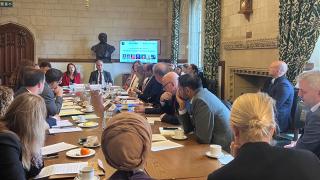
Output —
(75, 153)
(84, 110)
(179, 138)
(208, 153)
(94, 178)
(85, 145)
(94, 124)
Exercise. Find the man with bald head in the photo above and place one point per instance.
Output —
(168, 101)
(281, 90)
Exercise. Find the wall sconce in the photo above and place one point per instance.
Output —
(246, 8)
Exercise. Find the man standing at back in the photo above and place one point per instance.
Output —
(210, 117)
(100, 76)
(281, 90)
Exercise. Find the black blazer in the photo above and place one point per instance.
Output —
(11, 159)
(94, 77)
(282, 91)
(170, 108)
(152, 92)
(260, 161)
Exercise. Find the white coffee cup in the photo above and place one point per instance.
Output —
(179, 133)
(215, 150)
(86, 173)
(92, 141)
(89, 108)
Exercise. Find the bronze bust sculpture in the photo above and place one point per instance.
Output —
(103, 50)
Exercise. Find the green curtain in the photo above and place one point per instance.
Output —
(298, 33)
(212, 30)
(175, 35)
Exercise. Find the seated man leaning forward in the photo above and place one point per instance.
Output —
(119, 150)
(210, 117)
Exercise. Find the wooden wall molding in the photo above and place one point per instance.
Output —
(93, 60)
(265, 43)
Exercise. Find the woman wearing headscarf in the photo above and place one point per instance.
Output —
(253, 124)
(126, 143)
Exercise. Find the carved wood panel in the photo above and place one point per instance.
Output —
(16, 45)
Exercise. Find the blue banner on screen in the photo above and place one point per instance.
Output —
(144, 51)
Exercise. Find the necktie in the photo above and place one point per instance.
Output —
(100, 78)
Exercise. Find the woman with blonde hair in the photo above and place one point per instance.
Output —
(253, 124)
(22, 134)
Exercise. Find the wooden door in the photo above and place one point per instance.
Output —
(16, 45)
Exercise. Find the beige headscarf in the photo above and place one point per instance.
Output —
(126, 141)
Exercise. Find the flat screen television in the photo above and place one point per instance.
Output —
(145, 51)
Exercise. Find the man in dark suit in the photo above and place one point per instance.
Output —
(151, 89)
(34, 82)
(309, 91)
(210, 117)
(100, 76)
(281, 90)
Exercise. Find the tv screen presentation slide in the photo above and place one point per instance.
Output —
(142, 50)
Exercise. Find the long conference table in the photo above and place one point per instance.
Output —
(187, 162)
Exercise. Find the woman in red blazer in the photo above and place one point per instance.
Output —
(71, 76)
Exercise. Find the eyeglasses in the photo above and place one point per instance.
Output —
(164, 87)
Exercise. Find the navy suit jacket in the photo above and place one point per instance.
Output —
(310, 139)
(152, 92)
(94, 77)
(260, 161)
(282, 92)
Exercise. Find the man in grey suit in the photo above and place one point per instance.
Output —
(210, 117)
(309, 91)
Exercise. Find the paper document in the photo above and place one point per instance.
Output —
(158, 137)
(63, 123)
(68, 98)
(71, 107)
(166, 132)
(225, 159)
(64, 130)
(151, 120)
(69, 103)
(68, 168)
(163, 145)
(54, 148)
(87, 116)
(69, 112)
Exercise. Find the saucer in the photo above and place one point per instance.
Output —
(75, 153)
(179, 138)
(94, 178)
(87, 146)
(208, 153)
(88, 124)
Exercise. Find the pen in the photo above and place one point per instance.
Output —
(170, 128)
